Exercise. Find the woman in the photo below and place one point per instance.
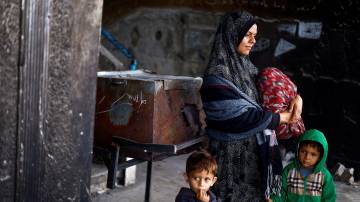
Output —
(236, 124)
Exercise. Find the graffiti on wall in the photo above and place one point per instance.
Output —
(310, 30)
(282, 47)
(302, 30)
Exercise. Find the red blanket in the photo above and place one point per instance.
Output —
(276, 92)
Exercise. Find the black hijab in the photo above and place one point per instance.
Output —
(225, 61)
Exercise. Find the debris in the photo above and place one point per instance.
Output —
(343, 174)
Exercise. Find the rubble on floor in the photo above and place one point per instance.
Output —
(343, 174)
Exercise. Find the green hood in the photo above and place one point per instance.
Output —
(316, 136)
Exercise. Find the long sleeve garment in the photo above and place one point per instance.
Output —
(316, 187)
(187, 195)
(231, 112)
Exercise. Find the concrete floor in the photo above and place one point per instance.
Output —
(167, 180)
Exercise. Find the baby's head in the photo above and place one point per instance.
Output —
(310, 153)
(201, 171)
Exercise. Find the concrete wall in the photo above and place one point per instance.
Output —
(166, 41)
(9, 53)
(49, 56)
(317, 44)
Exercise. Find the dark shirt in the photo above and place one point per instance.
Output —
(187, 195)
(251, 119)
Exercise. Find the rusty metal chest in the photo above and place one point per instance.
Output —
(147, 108)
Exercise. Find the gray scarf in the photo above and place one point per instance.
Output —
(225, 61)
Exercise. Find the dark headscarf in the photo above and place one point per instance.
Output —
(225, 61)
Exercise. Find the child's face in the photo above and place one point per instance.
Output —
(200, 180)
(308, 156)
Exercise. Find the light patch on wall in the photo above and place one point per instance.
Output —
(310, 30)
(288, 28)
(282, 47)
(120, 113)
(261, 44)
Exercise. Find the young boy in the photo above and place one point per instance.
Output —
(307, 179)
(200, 173)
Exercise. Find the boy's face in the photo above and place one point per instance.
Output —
(200, 180)
(308, 156)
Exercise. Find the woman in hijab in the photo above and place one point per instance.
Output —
(237, 125)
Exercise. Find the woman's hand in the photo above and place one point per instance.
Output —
(285, 117)
(295, 108)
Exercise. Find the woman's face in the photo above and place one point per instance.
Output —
(248, 41)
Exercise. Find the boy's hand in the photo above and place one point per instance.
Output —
(203, 196)
(269, 200)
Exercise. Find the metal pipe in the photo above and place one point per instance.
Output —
(119, 46)
(148, 181)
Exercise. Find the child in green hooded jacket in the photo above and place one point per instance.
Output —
(306, 179)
